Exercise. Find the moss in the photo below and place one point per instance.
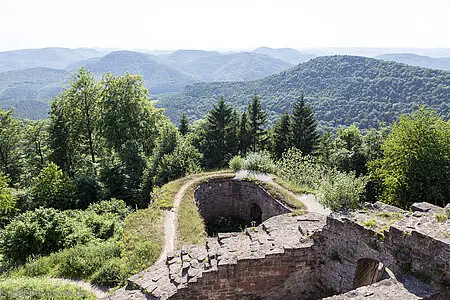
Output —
(370, 224)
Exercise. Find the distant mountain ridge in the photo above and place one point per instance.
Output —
(442, 63)
(342, 89)
(56, 58)
(288, 55)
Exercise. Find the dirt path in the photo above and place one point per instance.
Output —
(170, 221)
(98, 291)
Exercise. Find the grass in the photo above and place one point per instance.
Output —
(164, 196)
(370, 224)
(298, 212)
(293, 187)
(41, 288)
(191, 226)
(442, 217)
(143, 239)
(281, 194)
(107, 263)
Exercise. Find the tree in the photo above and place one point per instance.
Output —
(305, 136)
(53, 189)
(61, 149)
(7, 201)
(184, 125)
(257, 121)
(217, 135)
(416, 163)
(282, 135)
(80, 102)
(35, 148)
(9, 146)
(349, 154)
(244, 134)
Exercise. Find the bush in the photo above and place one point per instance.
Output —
(86, 191)
(236, 163)
(341, 190)
(114, 206)
(47, 230)
(112, 273)
(41, 288)
(259, 162)
(300, 171)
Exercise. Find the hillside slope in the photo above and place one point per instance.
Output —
(342, 89)
(442, 63)
(57, 58)
(213, 66)
(288, 55)
(158, 77)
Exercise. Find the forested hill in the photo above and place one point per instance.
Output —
(342, 90)
(158, 77)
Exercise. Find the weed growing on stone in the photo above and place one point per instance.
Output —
(370, 224)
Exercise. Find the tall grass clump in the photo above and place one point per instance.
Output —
(236, 163)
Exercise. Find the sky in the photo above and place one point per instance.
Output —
(230, 24)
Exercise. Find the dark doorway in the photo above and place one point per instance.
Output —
(256, 214)
(368, 271)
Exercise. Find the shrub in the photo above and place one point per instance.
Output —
(300, 171)
(236, 163)
(341, 190)
(113, 206)
(259, 162)
(47, 230)
(112, 273)
(87, 191)
(7, 201)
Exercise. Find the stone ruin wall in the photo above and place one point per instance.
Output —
(228, 198)
(299, 257)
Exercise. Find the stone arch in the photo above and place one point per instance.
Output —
(256, 213)
(368, 271)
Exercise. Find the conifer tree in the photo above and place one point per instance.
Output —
(184, 125)
(244, 134)
(282, 135)
(217, 135)
(304, 127)
(257, 120)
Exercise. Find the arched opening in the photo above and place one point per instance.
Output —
(368, 271)
(256, 214)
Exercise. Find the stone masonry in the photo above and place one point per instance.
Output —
(308, 256)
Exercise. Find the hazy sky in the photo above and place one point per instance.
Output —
(212, 24)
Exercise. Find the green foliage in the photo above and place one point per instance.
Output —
(53, 189)
(142, 240)
(7, 201)
(191, 225)
(282, 135)
(349, 153)
(304, 133)
(114, 206)
(342, 90)
(342, 191)
(442, 217)
(41, 289)
(416, 163)
(220, 136)
(300, 171)
(259, 162)
(47, 230)
(110, 273)
(9, 146)
(236, 163)
(370, 224)
(257, 121)
(183, 128)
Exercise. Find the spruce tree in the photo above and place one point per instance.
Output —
(304, 127)
(184, 125)
(282, 135)
(258, 119)
(217, 135)
(244, 134)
